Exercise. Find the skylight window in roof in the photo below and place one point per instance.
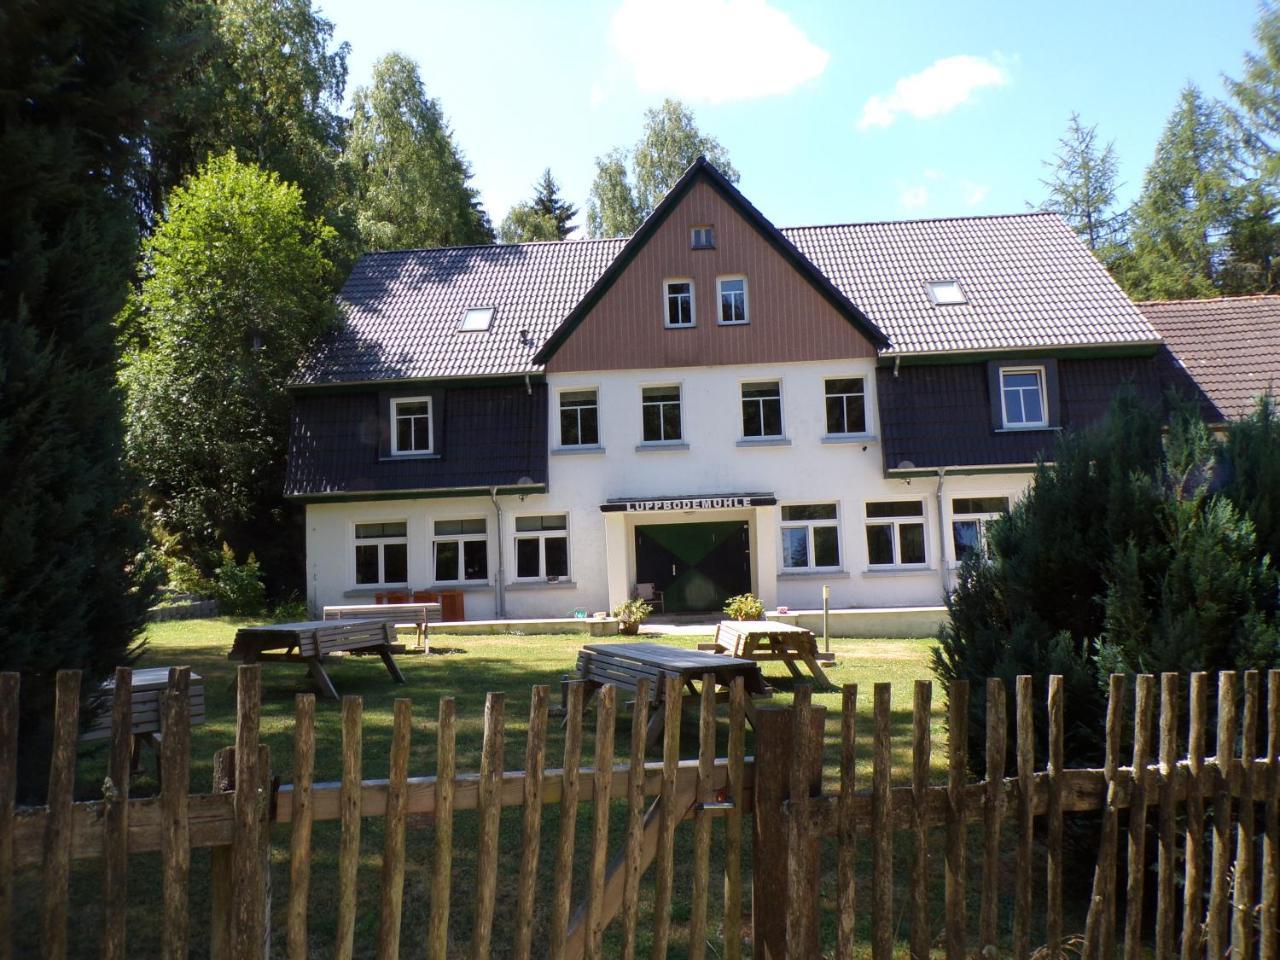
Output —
(476, 319)
(945, 293)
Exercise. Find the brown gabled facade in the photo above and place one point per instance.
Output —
(792, 313)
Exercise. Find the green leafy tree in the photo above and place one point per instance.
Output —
(1188, 205)
(411, 183)
(236, 289)
(75, 76)
(1082, 188)
(548, 216)
(263, 78)
(670, 142)
(1248, 472)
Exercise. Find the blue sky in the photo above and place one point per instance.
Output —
(832, 112)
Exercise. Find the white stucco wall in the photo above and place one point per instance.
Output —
(805, 470)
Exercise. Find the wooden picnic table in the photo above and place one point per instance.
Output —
(146, 716)
(313, 641)
(418, 614)
(763, 640)
(625, 664)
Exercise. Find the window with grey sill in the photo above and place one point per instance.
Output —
(382, 554)
(660, 412)
(846, 401)
(1022, 397)
(579, 418)
(460, 550)
(542, 547)
(810, 537)
(761, 410)
(679, 303)
(412, 429)
(895, 533)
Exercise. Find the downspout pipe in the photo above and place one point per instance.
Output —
(499, 601)
(942, 533)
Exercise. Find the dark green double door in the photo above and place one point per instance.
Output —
(697, 566)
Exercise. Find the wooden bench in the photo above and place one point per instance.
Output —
(146, 715)
(765, 640)
(313, 641)
(624, 665)
(417, 615)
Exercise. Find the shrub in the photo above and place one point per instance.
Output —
(744, 606)
(631, 614)
(238, 586)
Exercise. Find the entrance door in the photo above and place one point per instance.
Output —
(697, 566)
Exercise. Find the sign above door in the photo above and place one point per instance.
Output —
(720, 501)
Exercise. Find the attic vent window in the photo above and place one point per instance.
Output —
(703, 238)
(476, 319)
(945, 293)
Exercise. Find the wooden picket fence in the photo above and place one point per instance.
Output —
(1217, 878)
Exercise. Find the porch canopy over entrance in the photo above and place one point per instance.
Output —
(694, 550)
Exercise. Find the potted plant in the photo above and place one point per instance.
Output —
(745, 606)
(631, 614)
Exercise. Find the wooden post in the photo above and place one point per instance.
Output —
(1137, 866)
(304, 758)
(441, 873)
(221, 865)
(808, 724)
(115, 816)
(1218, 924)
(921, 747)
(1269, 946)
(1026, 759)
(568, 823)
(847, 829)
(1242, 873)
(57, 835)
(992, 816)
(489, 810)
(701, 893)
(1053, 862)
(1192, 893)
(535, 755)
(1099, 934)
(733, 822)
(1167, 866)
(882, 933)
(606, 715)
(349, 840)
(9, 686)
(635, 821)
(957, 744)
(175, 839)
(393, 857)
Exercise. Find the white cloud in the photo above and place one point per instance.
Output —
(937, 89)
(974, 193)
(913, 197)
(714, 50)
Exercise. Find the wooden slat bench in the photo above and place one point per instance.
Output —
(419, 615)
(625, 664)
(765, 640)
(312, 641)
(149, 685)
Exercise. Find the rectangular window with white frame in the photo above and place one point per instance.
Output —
(382, 554)
(761, 410)
(412, 427)
(810, 536)
(969, 518)
(1022, 398)
(460, 550)
(579, 418)
(846, 399)
(660, 412)
(542, 547)
(679, 297)
(895, 533)
(732, 294)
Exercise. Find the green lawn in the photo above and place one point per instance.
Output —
(465, 668)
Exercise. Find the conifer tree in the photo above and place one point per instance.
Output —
(1082, 188)
(75, 75)
(548, 216)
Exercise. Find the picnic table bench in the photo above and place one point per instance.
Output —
(418, 614)
(764, 640)
(625, 664)
(145, 714)
(313, 641)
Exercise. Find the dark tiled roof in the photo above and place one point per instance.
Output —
(1229, 346)
(492, 436)
(939, 415)
(1028, 279)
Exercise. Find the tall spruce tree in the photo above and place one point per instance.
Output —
(410, 181)
(622, 198)
(74, 75)
(548, 216)
(1082, 188)
(1189, 203)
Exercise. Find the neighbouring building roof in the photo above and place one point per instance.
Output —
(1229, 346)
(1028, 283)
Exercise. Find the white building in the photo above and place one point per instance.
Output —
(713, 406)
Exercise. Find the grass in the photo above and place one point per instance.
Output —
(465, 668)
